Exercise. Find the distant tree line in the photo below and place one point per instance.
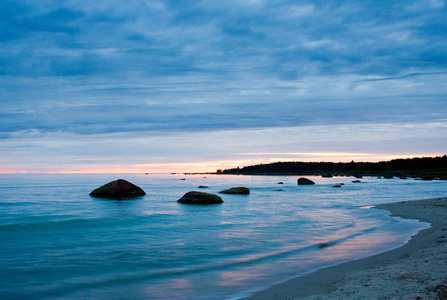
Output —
(417, 165)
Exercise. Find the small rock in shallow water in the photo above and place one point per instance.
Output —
(241, 190)
(200, 198)
(305, 181)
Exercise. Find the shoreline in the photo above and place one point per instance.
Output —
(416, 270)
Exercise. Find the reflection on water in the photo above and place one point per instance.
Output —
(55, 240)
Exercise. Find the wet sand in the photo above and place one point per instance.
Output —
(417, 270)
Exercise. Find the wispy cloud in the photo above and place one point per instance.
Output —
(95, 68)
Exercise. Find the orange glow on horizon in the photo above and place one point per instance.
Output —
(191, 167)
(212, 166)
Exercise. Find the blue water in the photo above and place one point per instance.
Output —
(57, 242)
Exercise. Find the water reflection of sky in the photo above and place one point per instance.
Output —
(163, 249)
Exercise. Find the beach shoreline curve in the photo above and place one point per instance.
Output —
(416, 270)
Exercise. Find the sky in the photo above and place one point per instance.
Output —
(194, 86)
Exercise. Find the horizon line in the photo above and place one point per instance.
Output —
(138, 168)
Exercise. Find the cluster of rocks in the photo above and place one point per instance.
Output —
(121, 190)
(417, 177)
(397, 174)
(194, 197)
(306, 181)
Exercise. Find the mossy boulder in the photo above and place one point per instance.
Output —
(240, 190)
(305, 181)
(200, 198)
(118, 189)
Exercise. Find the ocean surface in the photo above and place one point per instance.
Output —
(57, 242)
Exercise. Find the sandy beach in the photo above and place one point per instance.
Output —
(417, 270)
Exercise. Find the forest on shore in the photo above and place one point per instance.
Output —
(412, 167)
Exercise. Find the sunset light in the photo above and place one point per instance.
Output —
(223, 149)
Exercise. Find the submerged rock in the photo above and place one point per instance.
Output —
(356, 181)
(337, 186)
(305, 181)
(200, 198)
(324, 245)
(240, 190)
(118, 189)
(202, 187)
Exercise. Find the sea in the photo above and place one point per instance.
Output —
(57, 242)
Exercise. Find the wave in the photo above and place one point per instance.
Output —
(37, 223)
(249, 260)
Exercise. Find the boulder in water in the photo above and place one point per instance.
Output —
(118, 189)
(305, 181)
(200, 198)
(240, 190)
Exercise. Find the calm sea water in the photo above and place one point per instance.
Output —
(56, 242)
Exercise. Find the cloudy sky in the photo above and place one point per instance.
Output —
(150, 86)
